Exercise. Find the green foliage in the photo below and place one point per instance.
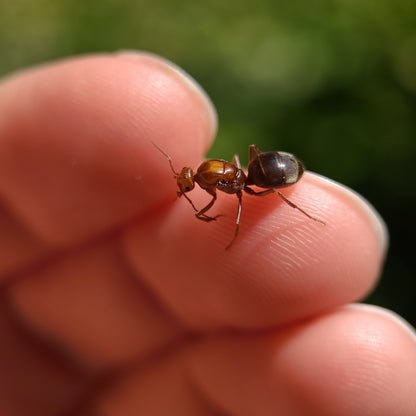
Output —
(333, 81)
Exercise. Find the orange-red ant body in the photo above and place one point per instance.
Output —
(269, 170)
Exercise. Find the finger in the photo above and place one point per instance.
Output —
(35, 380)
(357, 361)
(160, 389)
(283, 266)
(87, 302)
(91, 306)
(77, 157)
(19, 247)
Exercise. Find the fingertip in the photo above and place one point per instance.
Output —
(348, 362)
(356, 360)
(389, 316)
(282, 267)
(361, 204)
(183, 77)
(86, 123)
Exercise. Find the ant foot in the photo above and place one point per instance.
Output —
(207, 218)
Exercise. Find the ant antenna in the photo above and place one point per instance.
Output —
(180, 193)
(167, 156)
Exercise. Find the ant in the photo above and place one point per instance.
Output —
(269, 170)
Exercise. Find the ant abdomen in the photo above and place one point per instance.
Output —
(274, 170)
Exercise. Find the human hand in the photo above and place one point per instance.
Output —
(117, 301)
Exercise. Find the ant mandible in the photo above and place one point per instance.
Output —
(269, 170)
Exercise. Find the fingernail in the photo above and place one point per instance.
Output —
(181, 74)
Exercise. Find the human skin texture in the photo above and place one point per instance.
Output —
(116, 300)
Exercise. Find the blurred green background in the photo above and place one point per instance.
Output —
(333, 81)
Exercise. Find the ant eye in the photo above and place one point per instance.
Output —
(187, 189)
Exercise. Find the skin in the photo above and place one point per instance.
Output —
(116, 301)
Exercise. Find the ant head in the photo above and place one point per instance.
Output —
(185, 181)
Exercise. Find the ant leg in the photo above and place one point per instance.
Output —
(237, 221)
(236, 161)
(253, 148)
(289, 202)
(298, 208)
(207, 218)
(201, 213)
(262, 193)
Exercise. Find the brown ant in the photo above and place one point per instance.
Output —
(269, 170)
